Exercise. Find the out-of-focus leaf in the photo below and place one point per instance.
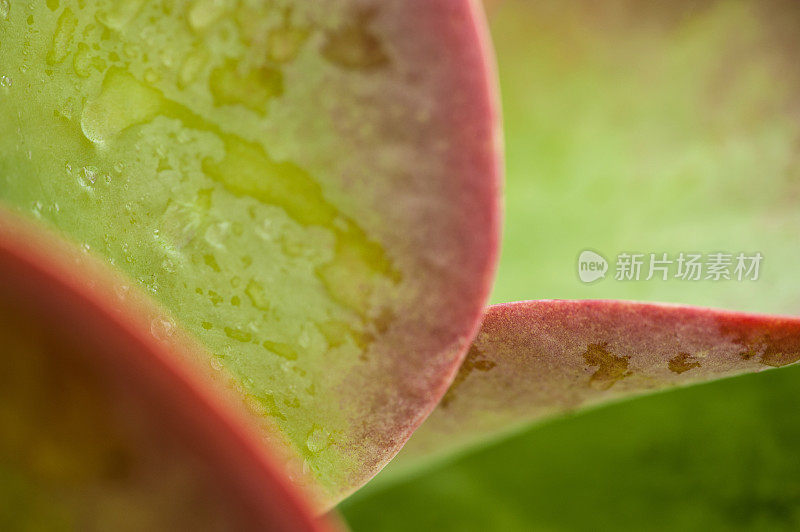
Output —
(650, 127)
(104, 426)
(718, 457)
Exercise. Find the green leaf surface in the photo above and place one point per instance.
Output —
(311, 192)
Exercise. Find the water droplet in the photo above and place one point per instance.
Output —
(162, 328)
(122, 291)
(119, 167)
(295, 471)
(120, 13)
(318, 440)
(204, 13)
(5, 7)
(151, 76)
(82, 61)
(63, 37)
(111, 111)
(5, 81)
(218, 234)
(304, 340)
(87, 176)
(191, 68)
(216, 363)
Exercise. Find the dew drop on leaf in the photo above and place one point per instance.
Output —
(162, 328)
(122, 291)
(87, 176)
(317, 440)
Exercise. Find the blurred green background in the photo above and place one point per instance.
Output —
(639, 126)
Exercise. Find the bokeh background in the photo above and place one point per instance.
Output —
(638, 126)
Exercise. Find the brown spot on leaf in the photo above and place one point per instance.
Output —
(354, 46)
(474, 361)
(253, 89)
(610, 368)
(781, 351)
(738, 336)
(284, 43)
(777, 346)
(683, 362)
(748, 353)
(384, 319)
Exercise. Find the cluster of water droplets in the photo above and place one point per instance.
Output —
(119, 92)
